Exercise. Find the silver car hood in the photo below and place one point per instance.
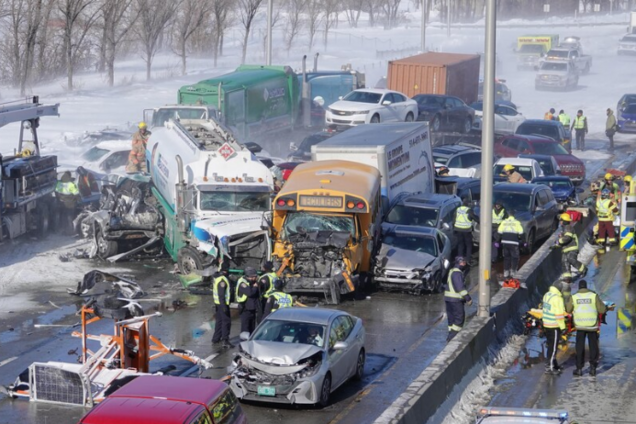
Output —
(277, 358)
(396, 258)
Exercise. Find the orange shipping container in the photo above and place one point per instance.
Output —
(436, 73)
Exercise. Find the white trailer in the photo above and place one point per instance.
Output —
(214, 195)
(400, 151)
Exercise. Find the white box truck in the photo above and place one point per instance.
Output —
(400, 151)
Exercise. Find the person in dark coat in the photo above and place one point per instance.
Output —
(248, 298)
(221, 294)
(455, 296)
(463, 226)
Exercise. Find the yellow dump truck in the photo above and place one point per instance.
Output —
(531, 48)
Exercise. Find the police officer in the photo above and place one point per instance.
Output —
(464, 218)
(265, 287)
(586, 306)
(499, 213)
(67, 195)
(580, 129)
(510, 234)
(221, 294)
(248, 298)
(553, 324)
(455, 295)
(277, 299)
(564, 119)
(605, 210)
(568, 241)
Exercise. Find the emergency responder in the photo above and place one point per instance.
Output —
(277, 299)
(549, 115)
(580, 129)
(510, 233)
(585, 307)
(566, 285)
(553, 324)
(443, 172)
(610, 128)
(455, 295)
(68, 196)
(564, 119)
(568, 241)
(137, 156)
(614, 189)
(221, 293)
(248, 298)
(499, 213)
(627, 181)
(265, 287)
(605, 210)
(512, 175)
(464, 218)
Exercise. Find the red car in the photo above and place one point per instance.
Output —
(513, 145)
(155, 399)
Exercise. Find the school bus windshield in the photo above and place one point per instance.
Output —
(307, 222)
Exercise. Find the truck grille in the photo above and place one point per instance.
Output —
(342, 112)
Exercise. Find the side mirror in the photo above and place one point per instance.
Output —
(445, 226)
(386, 103)
(340, 346)
(293, 147)
(446, 264)
(244, 336)
(339, 97)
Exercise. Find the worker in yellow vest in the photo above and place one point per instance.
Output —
(605, 210)
(247, 298)
(586, 307)
(221, 294)
(265, 287)
(278, 299)
(463, 226)
(580, 129)
(499, 213)
(553, 324)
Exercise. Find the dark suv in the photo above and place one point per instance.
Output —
(546, 128)
(445, 112)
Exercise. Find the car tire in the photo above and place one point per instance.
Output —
(360, 365)
(555, 226)
(189, 260)
(409, 117)
(468, 125)
(105, 248)
(375, 119)
(532, 239)
(435, 123)
(325, 391)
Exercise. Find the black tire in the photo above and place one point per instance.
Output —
(435, 123)
(325, 391)
(43, 220)
(439, 282)
(105, 248)
(375, 119)
(468, 125)
(532, 239)
(189, 259)
(409, 117)
(360, 366)
(555, 226)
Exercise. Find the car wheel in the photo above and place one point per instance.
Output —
(468, 125)
(105, 248)
(189, 260)
(435, 123)
(532, 238)
(437, 282)
(409, 117)
(360, 366)
(325, 391)
(375, 119)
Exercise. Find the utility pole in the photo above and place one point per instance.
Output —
(423, 6)
(270, 11)
(448, 18)
(487, 141)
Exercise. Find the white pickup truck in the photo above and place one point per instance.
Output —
(582, 62)
(556, 74)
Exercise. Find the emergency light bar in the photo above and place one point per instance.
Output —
(555, 414)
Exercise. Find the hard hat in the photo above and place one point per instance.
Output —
(565, 217)
(26, 153)
(605, 193)
(566, 276)
(628, 179)
(608, 176)
(142, 125)
(508, 168)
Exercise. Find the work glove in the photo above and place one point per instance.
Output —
(497, 245)
(470, 302)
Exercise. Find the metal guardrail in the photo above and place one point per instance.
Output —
(531, 25)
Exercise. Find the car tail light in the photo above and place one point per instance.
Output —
(281, 202)
(360, 205)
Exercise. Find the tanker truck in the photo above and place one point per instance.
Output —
(213, 194)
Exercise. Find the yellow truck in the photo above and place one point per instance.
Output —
(531, 48)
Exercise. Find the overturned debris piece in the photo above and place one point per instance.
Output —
(98, 282)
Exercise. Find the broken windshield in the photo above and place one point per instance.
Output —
(414, 243)
(273, 330)
(228, 201)
(306, 222)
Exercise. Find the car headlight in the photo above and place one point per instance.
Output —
(361, 112)
(310, 371)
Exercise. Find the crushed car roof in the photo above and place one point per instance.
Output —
(310, 315)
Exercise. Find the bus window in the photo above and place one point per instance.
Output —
(306, 222)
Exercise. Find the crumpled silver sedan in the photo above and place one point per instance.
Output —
(299, 355)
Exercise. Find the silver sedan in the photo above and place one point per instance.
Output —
(299, 355)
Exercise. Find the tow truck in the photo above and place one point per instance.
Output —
(28, 179)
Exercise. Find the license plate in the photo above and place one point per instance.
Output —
(266, 391)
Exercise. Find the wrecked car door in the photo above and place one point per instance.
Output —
(339, 351)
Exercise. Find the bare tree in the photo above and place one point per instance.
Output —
(153, 18)
(220, 11)
(191, 16)
(117, 18)
(391, 9)
(47, 60)
(314, 13)
(352, 9)
(330, 9)
(248, 9)
(293, 22)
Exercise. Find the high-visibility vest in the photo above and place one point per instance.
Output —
(497, 218)
(579, 122)
(510, 225)
(553, 309)
(271, 276)
(548, 116)
(604, 210)
(451, 290)
(215, 290)
(564, 118)
(462, 221)
(283, 300)
(69, 188)
(585, 312)
(240, 298)
(573, 245)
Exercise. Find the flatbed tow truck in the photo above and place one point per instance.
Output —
(28, 179)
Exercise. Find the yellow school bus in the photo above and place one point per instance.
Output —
(325, 221)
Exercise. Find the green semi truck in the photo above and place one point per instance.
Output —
(253, 100)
